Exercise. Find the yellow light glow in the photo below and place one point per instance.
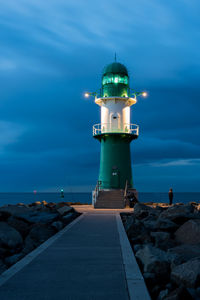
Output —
(144, 94)
(87, 95)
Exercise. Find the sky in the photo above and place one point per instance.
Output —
(51, 52)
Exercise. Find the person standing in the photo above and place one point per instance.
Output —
(170, 196)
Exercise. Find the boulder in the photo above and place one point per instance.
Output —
(150, 222)
(38, 217)
(178, 213)
(11, 260)
(185, 252)
(9, 237)
(143, 238)
(154, 260)
(64, 210)
(58, 225)
(150, 279)
(21, 226)
(4, 215)
(179, 293)
(14, 210)
(37, 235)
(136, 229)
(137, 247)
(3, 267)
(41, 232)
(68, 218)
(163, 294)
(189, 233)
(166, 225)
(141, 210)
(128, 221)
(161, 238)
(3, 252)
(187, 273)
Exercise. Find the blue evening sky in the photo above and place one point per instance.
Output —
(52, 51)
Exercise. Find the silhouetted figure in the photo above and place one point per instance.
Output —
(170, 196)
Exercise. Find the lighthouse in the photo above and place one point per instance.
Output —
(115, 133)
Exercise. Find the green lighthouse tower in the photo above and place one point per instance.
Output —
(115, 132)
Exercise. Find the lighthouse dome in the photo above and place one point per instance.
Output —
(115, 68)
(115, 80)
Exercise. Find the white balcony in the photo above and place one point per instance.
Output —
(126, 128)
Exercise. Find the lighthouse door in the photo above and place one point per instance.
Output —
(115, 178)
(115, 122)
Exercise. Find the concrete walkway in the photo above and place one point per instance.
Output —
(84, 261)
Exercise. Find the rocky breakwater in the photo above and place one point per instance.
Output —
(166, 243)
(25, 227)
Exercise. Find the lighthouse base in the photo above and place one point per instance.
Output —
(110, 199)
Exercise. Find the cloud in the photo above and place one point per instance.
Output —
(177, 163)
(9, 133)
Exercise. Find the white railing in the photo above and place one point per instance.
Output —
(110, 128)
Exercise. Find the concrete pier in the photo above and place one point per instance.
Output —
(89, 259)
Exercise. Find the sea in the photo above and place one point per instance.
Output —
(86, 198)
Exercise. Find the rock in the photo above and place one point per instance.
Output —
(51, 205)
(61, 204)
(141, 210)
(189, 233)
(198, 291)
(11, 260)
(193, 293)
(128, 220)
(179, 293)
(150, 222)
(3, 267)
(137, 247)
(38, 217)
(163, 294)
(41, 232)
(29, 245)
(37, 235)
(154, 260)
(3, 252)
(161, 238)
(150, 279)
(9, 237)
(185, 252)
(136, 229)
(143, 238)
(21, 226)
(165, 224)
(187, 273)
(58, 225)
(64, 210)
(4, 215)
(68, 218)
(14, 210)
(178, 213)
(44, 203)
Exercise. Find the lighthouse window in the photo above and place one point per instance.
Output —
(115, 79)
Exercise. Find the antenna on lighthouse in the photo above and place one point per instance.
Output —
(115, 56)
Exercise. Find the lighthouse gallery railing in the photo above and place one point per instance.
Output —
(109, 128)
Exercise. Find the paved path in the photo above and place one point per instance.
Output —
(85, 262)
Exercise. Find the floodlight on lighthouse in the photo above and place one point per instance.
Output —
(88, 94)
(144, 94)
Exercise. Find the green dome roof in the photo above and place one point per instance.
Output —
(115, 68)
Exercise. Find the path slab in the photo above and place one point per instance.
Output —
(90, 259)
